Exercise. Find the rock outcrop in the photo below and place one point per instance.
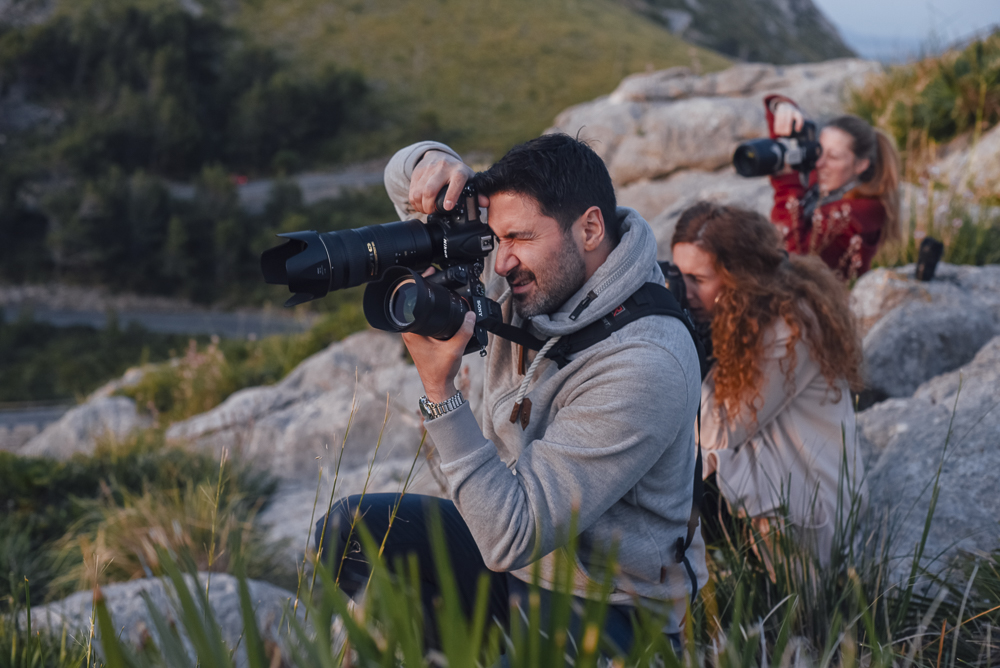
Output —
(359, 392)
(914, 331)
(950, 423)
(974, 171)
(81, 428)
(668, 137)
(126, 603)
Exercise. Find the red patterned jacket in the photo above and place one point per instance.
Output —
(845, 233)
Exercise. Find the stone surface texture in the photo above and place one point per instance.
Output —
(340, 395)
(81, 428)
(914, 331)
(668, 137)
(656, 123)
(951, 422)
(129, 611)
(975, 170)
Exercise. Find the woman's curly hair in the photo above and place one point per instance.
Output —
(760, 283)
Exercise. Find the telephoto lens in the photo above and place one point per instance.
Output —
(759, 157)
(405, 301)
(312, 263)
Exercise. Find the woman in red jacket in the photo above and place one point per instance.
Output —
(851, 205)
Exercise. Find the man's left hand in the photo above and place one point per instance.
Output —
(438, 361)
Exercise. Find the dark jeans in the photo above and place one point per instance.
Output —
(410, 535)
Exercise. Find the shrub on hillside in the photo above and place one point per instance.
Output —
(48, 501)
(160, 86)
(42, 362)
(206, 375)
(936, 99)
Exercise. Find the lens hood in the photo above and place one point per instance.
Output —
(302, 263)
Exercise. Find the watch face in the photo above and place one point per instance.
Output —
(423, 408)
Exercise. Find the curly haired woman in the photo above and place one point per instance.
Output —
(850, 206)
(778, 423)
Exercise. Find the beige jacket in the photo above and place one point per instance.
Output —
(801, 454)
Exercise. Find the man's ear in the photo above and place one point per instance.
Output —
(592, 228)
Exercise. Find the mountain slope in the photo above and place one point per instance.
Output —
(770, 31)
(487, 73)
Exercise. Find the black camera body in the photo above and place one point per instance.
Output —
(392, 258)
(762, 157)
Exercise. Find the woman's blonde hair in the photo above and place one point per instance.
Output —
(761, 283)
(881, 179)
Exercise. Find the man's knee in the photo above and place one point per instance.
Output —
(335, 527)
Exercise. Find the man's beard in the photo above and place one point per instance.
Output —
(562, 276)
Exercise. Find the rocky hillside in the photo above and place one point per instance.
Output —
(668, 137)
(769, 31)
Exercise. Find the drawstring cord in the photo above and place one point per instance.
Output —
(523, 389)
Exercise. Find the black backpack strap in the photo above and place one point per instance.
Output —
(650, 299)
(682, 544)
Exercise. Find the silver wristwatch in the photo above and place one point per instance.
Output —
(431, 410)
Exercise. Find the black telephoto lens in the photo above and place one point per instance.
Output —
(405, 301)
(312, 264)
(759, 157)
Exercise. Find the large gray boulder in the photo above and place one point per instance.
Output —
(881, 290)
(914, 331)
(656, 123)
(129, 612)
(953, 422)
(83, 427)
(360, 393)
(917, 341)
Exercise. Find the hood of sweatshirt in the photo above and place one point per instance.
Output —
(631, 264)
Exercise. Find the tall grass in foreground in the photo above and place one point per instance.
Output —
(759, 609)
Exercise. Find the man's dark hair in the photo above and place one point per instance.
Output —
(562, 174)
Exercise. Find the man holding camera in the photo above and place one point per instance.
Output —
(603, 439)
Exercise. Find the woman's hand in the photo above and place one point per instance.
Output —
(788, 119)
(434, 171)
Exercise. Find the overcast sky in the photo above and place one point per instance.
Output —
(877, 28)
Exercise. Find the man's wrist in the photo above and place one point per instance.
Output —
(437, 394)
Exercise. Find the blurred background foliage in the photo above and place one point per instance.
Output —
(127, 104)
(55, 511)
(934, 101)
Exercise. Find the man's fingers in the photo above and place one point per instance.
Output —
(455, 186)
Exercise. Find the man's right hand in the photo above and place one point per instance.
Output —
(435, 170)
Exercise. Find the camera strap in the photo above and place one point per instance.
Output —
(515, 334)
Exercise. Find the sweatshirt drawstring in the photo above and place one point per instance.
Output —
(522, 406)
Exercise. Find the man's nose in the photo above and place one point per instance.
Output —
(506, 261)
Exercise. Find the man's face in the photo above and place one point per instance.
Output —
(543, 265)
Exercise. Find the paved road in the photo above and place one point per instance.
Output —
(226, 325)
(315, 186)
(38, 415)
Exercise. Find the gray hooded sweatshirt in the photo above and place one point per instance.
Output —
(611, 435)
